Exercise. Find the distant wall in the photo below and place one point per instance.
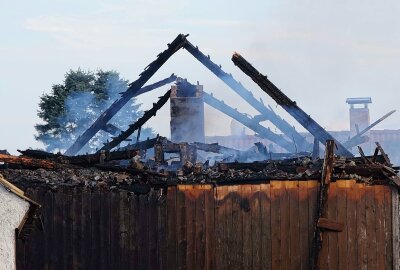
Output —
(12, 211)
(266, 225)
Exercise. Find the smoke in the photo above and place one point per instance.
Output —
(83, 108)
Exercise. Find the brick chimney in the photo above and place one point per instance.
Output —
(187, 112)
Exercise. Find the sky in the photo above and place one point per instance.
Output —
(317, 52)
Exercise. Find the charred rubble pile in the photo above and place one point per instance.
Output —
(126, 168)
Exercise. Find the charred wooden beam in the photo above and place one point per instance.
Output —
(290, 106)
(27, 162)
(139, 123)
(315, 153)
(385, 156)
(110, 128)
(248, 122)
(247, 95)
(131, 92)
(327, 171)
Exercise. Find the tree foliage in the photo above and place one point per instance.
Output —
(72, 106)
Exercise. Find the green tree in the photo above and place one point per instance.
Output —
(71, 107)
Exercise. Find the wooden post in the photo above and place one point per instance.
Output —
(395, 228)
(321, 203)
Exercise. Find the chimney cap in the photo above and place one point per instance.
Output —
(360, 100)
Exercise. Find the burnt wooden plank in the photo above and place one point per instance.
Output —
(341, 217)
(76, 228)
(190, 216)
(236, 249)
(285, 225)
(171, 231)
(351, 222)
(210, 228)
(104, 229)
(321, 210)
(247, 226)
(256, 226)
(152, 227)
(265, 208)
(124, 229)
(114, 245)
(396, 229)
(86, 228)
(276, 224)
(58, 240)
(133, 231)
(199, 226)
(143, 231)
(229, 256)
(304, 238)
(48, 233)
(294, 232)
(361, 227)
(332, 237)
(95, 230)
(161, 230)
(181, 227)
(380, 226)
(371, 227)
(312, 204)
(388, 228)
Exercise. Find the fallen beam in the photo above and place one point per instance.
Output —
(290, 106)
(27, 162)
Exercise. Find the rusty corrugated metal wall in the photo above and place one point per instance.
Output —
(257, 226)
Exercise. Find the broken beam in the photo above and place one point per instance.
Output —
(290, 106)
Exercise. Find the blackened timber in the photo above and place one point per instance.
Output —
(248, 122)
(290, 106)
(247, 95)
(139, 123)
(110, 128)
(356, 139)
(132, 91)
(327, 172)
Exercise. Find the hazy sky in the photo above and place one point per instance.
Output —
(318, 52)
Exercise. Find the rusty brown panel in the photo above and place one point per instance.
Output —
(199, 226)
(371, 227)
(388, 228)
(210, 228)
(380, 226)
(104, 228)
(265, 209)
(134, 231)
(351, 222)
(285, 225)
(255, 208)
(171, 231)
(236, 223)
(124, 229)
(330, 239)
(313, 187)
(303, 225)
(247, 223)
(294, 231)
(341, 217)
(220, 226)
(276, 191)
(190, 215)
(181, 227)
(361, 227)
